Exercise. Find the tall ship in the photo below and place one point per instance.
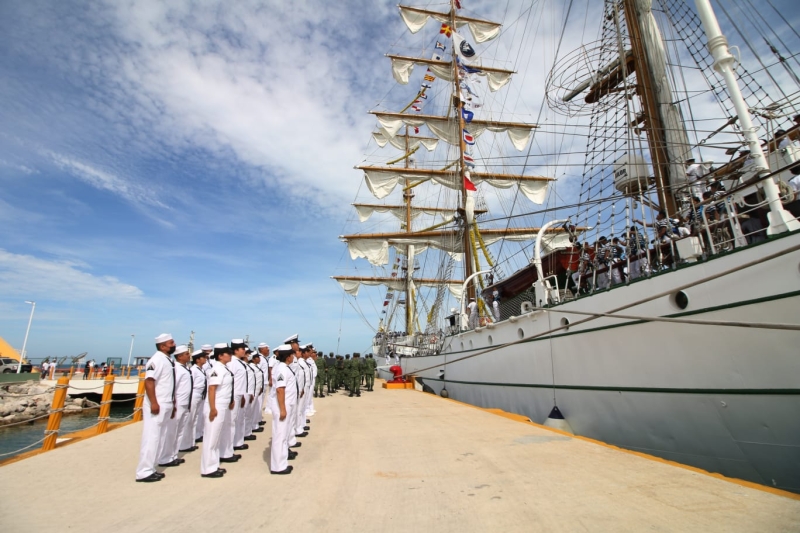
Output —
(625, 257)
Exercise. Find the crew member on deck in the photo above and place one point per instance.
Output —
(282, 395)
(199, 392)
(184, 392)
(217, 414)
(239, 370)
(159, 406)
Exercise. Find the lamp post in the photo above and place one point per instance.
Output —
(131, 351)
(27, 331)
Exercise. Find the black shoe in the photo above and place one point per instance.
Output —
(322, 395)
(359, 395)
(188, 450)
(262, 423)
(303, 434)
(198, 440)
(242, 447)
(308, 421)
(258, 430)
(306, 427)
(237, 456)
(282, 472)
(212, 474)
(250, 437)
(231, 459)
(222, 470)
(292, 456)
(150, 479)
(351, 395)
(176, 462)
(315, 395)
(296, 445)
(162, 475)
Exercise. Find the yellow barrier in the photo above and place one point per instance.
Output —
(137, 405)
(105, 405)
(56, 410)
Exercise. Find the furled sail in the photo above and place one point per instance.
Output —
(375, 247)
(351, 284)
(399, 211)
(403, 66)
(381, 181)
(482, 30)
(447, 129)
(414, 142)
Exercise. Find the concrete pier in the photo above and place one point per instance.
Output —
(392, 460)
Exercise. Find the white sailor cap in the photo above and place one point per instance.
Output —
(164, 337)
(263, 345)
(283, 347)
(180, 349)
(292, 339)
(198, 353)
(220, 345)
(206, 347)
(237, 341)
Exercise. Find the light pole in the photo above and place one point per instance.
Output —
(131, 352)
(25, 342)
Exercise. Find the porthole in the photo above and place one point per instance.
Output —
(565, 322)
(680, 300)
(491, 341)
(520, 333)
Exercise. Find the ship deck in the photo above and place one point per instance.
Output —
(392, 460)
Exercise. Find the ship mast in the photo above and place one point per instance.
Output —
(666, 134)
(409, 284)
(457, 104)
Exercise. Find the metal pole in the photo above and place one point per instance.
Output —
(131, 351)
(27, 331)
(464, 292)
(780, 220)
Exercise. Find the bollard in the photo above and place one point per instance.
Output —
(56, 410)
(137, 405)
(105, 405)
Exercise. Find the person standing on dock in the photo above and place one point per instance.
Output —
(159, 406)
(175, 427)
(239, 370)
(250, 399)
(255, 364)
(199, 392)
(263, 364)
(282, 396)
(217, 414)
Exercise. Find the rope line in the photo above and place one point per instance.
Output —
(15, 452)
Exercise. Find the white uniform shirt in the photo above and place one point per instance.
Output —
(223, 378)
(251, 378)
(200, 385)
(473, 307)
(271, 364)
(282, 377)
(259, 378)
(314, 370)
(301, 374)
(239, 370)
(183, 385)
(161, 368)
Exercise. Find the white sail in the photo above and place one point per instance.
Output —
(428, 143)
(402, 67)
(351, 285)
(416, 19)
(399, 211)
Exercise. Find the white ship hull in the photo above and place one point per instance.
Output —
(724, 399)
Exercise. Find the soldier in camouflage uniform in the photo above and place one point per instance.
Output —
(319, 382)
(355, 375)
(330, 373)
(371, 366)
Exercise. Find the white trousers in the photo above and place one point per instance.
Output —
(281, 429)
(169, 439)
(215, 436)
(198, 423)
(237, 420)
(291, 421)
(185, 429)
(300, 415)
(152, 429)
(257, 411)
(247, 423)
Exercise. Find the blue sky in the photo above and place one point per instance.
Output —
(188, 165)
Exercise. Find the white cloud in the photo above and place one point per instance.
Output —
(32, 277)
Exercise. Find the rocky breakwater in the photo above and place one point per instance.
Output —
(25, 401)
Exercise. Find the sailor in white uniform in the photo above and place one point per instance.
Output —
(209, 351)
(199, 392)
(272, 362)
(263, 364)
(312, 365)
(255, 413)
(302, 376)
(184, 392)
(250, 400)
(168, 449)
(282, 396)
(217, 414)
(159, 402)
(239, 370)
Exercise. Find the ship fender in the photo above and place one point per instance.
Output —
(557, 421)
